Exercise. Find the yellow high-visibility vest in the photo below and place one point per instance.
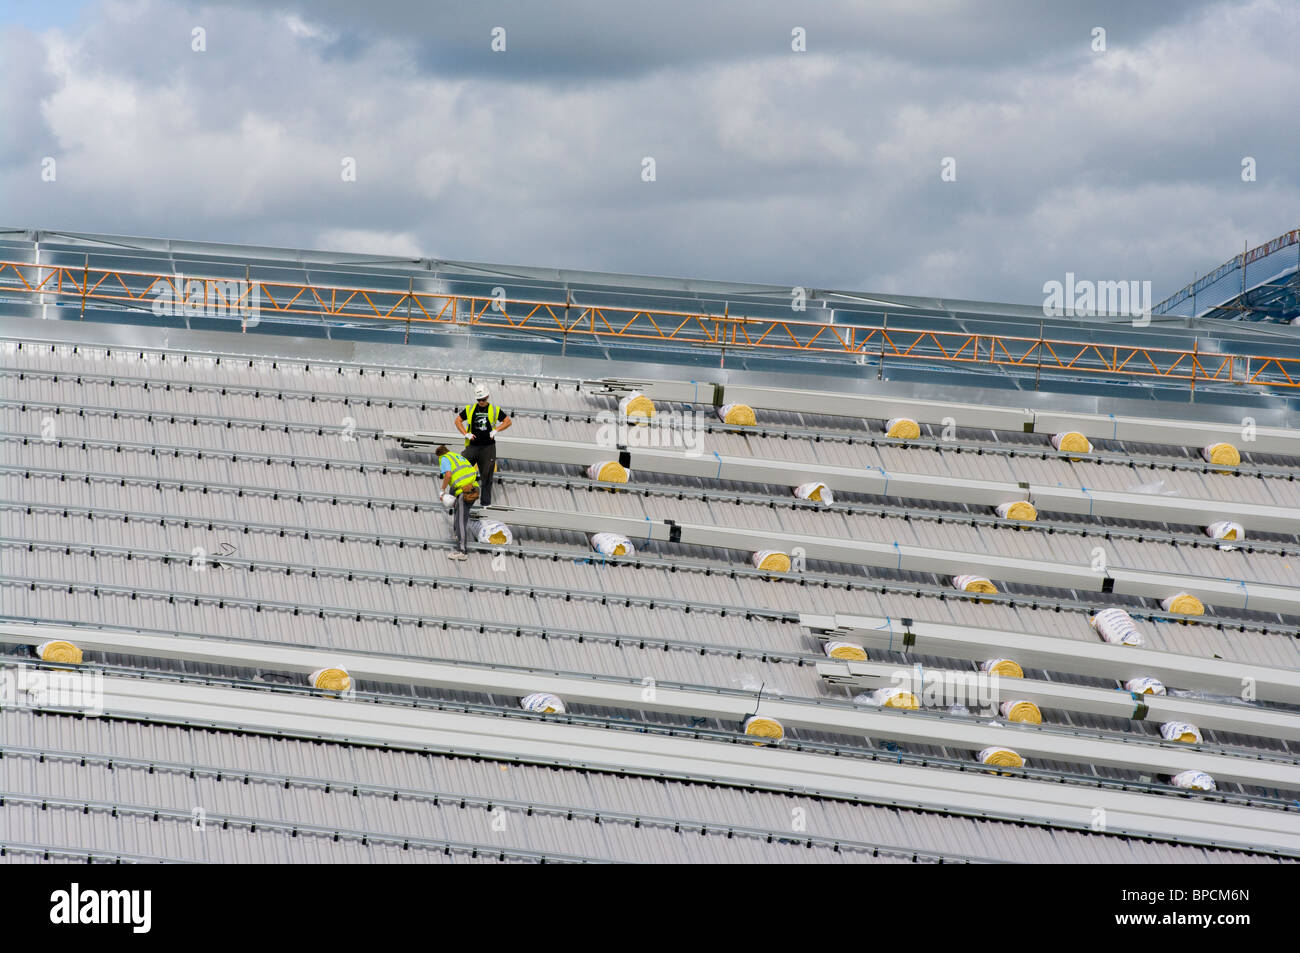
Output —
(463, 473)
(493, 413)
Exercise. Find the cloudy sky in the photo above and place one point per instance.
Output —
(821, 168)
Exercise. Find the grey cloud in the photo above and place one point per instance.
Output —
(819, 169)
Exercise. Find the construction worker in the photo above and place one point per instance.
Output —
(459, 478)
(480, 422)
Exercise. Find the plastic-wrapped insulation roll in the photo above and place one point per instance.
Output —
(333, 679)
(1021, 510)
(1071, 441)
(542, 703)
(771, 560)
(845, 651)
(612, 544)
(738, 415)
(610, 471)
(902, 428)
(1005, 667)
(817, 492)
(636, 407)
(768, 729)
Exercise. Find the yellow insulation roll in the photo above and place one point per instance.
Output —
(1221, 454)
(1071, 442)
(1018, 510)
(330, 679)
(1180, 731)
(971, 583)
(542, 703)
(892, 697)
(902, 428)
(1004, 667)
(845, 651)
(636, 406)
(493, 532)
(1000, 757)
(1184, 603)
(771, 560)
(769, 728)
(612, 544)
(611, 471)
(738, 415)
(1117, 627)
(57, 650)
(817, 492)
(1021, 711)
(1145, 685)
(1226, 529)
(1194, 780)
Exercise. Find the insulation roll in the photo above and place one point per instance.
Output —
(491, 531)
(1117, 627)
(772, 560)
(58, 650)
(330, 679)
(902, 428)
(636, 405)
(1194, 781)
(543, 703)
(1221, 454)
(845, 651)
(1226, 529)
(1145, 685)
(611, 471)
(971, 583)
(1022, 711)
(817, 492)
(738, 415)
(1180, 731)
(1184, 603)
(1018, 510)
(894, 697)
(760, 727)
(1004, 667)
(1000, 757)
(612, 544)
(1071, 442)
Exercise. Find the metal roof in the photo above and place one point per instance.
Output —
(125, 452)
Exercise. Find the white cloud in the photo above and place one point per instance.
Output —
(819, 169)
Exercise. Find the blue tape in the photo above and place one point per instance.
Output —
(889, 624)
(649, 530)
(885, 474)
(899, 567)
(1114, 427)
(719, 474)
(1090, 499)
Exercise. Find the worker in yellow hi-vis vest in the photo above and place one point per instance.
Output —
(460, 480)
(480, 422)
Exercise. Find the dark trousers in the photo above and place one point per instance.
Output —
(485, 458)
(460, 514)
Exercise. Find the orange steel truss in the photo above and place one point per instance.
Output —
(399, 307)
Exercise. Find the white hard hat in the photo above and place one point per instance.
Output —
(480, 391)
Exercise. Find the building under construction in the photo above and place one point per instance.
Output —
(770, 574)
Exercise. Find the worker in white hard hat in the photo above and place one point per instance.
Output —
(480, 422)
